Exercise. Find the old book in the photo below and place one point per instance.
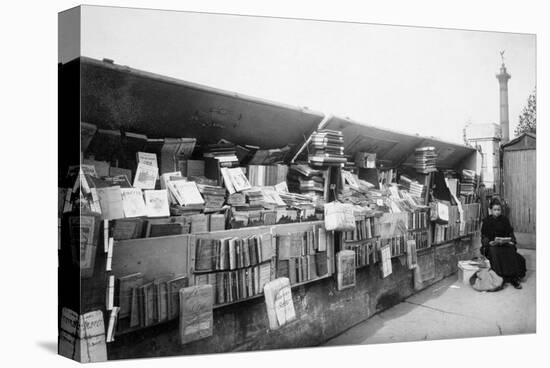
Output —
(411, 254)
(279, 303)
(321, 262)
(305, 268)
(172, 149)
(186, 192)
(120, 180)
(283, 247)
(296, 248)
(199, 223)
(233, 253)
(283, 268)
(238, 179)
(146, 176)
(217, 222)
(149, 304)
(385, 257)
(311, 267)
(173, 225)
(345, 263)
(101, 167)
(322, 239)
(190, 168)
(174, 287)
(196, 316)
(161, 294)
(147, 158)
(292, 271)
(127, 284)
(267, 247)
(127, 228)
(110, 200)
(119, 171)
(205, 254)
(135, 309)
(156, 203)
(132, 202)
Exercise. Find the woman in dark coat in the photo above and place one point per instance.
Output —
(505, 260)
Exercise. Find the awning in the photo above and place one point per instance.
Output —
(394, 148)
(115, 97)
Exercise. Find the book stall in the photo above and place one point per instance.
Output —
(201, 235)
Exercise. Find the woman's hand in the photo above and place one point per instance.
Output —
(492, 242)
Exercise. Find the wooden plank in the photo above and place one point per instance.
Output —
(153, 257)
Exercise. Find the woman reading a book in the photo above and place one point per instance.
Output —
(499, 246)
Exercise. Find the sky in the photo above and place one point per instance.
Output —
(424, 81)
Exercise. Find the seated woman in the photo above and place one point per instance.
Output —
(505, 260)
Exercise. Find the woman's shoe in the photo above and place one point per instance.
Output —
(516, 284)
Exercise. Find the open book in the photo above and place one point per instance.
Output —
(502, 240)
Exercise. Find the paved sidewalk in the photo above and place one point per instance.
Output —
(450, 309)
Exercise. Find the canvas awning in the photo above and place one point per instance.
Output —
(394, 148)
(115, 97)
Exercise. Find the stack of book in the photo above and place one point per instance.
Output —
(214, 196)
(239, 284)
(467, 184)
(327, 148)
(216, 157)
(269, 156)
(425, 160)
(421, 238)
(306, 180)
(471, 217)
(365, 227)
(255, 198)
(145, 303)
(418, 220)
(366, 252)
(223, 152)
(398, 245)
(233, 252)
(266, 175)
(236, 199)
(413, 187)
(302, 256)
(296, 199)
(246, 264)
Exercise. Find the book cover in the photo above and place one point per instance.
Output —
(205, 257)
(147, 158)
(161, 293)
(279, 303)
(127, 284)
(127, 228)
(156, 203)
(174, 287)
(135, 318)
(345, 268)
(199, 223)
(133, 204)
(110, 201)
(196, 316)
(146, 176)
